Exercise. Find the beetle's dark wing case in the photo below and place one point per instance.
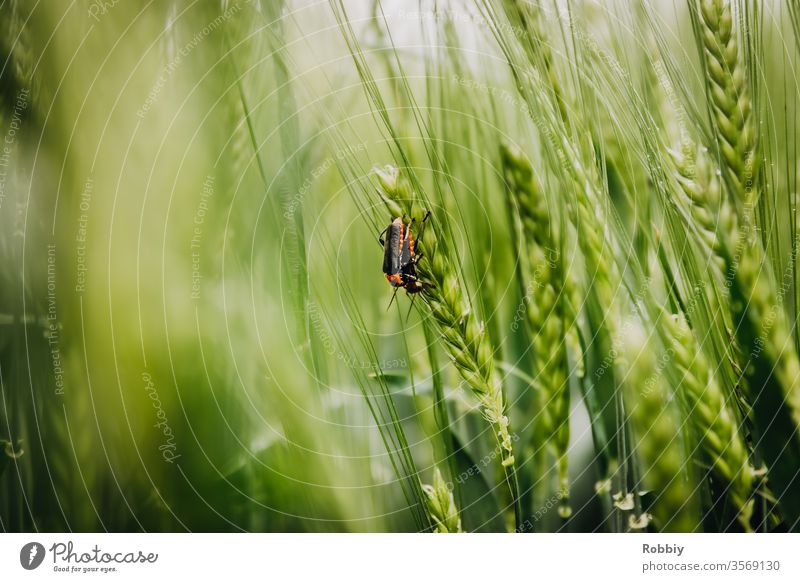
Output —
(391, 248)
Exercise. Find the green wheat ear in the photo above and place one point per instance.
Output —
(545, 301)
(770, 364)
(711, 418)
(729, 96)
(441, 505)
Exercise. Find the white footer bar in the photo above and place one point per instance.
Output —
(401, 557)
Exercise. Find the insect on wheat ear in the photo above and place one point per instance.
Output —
(400, 257)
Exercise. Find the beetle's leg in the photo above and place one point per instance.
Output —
(423, 285)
